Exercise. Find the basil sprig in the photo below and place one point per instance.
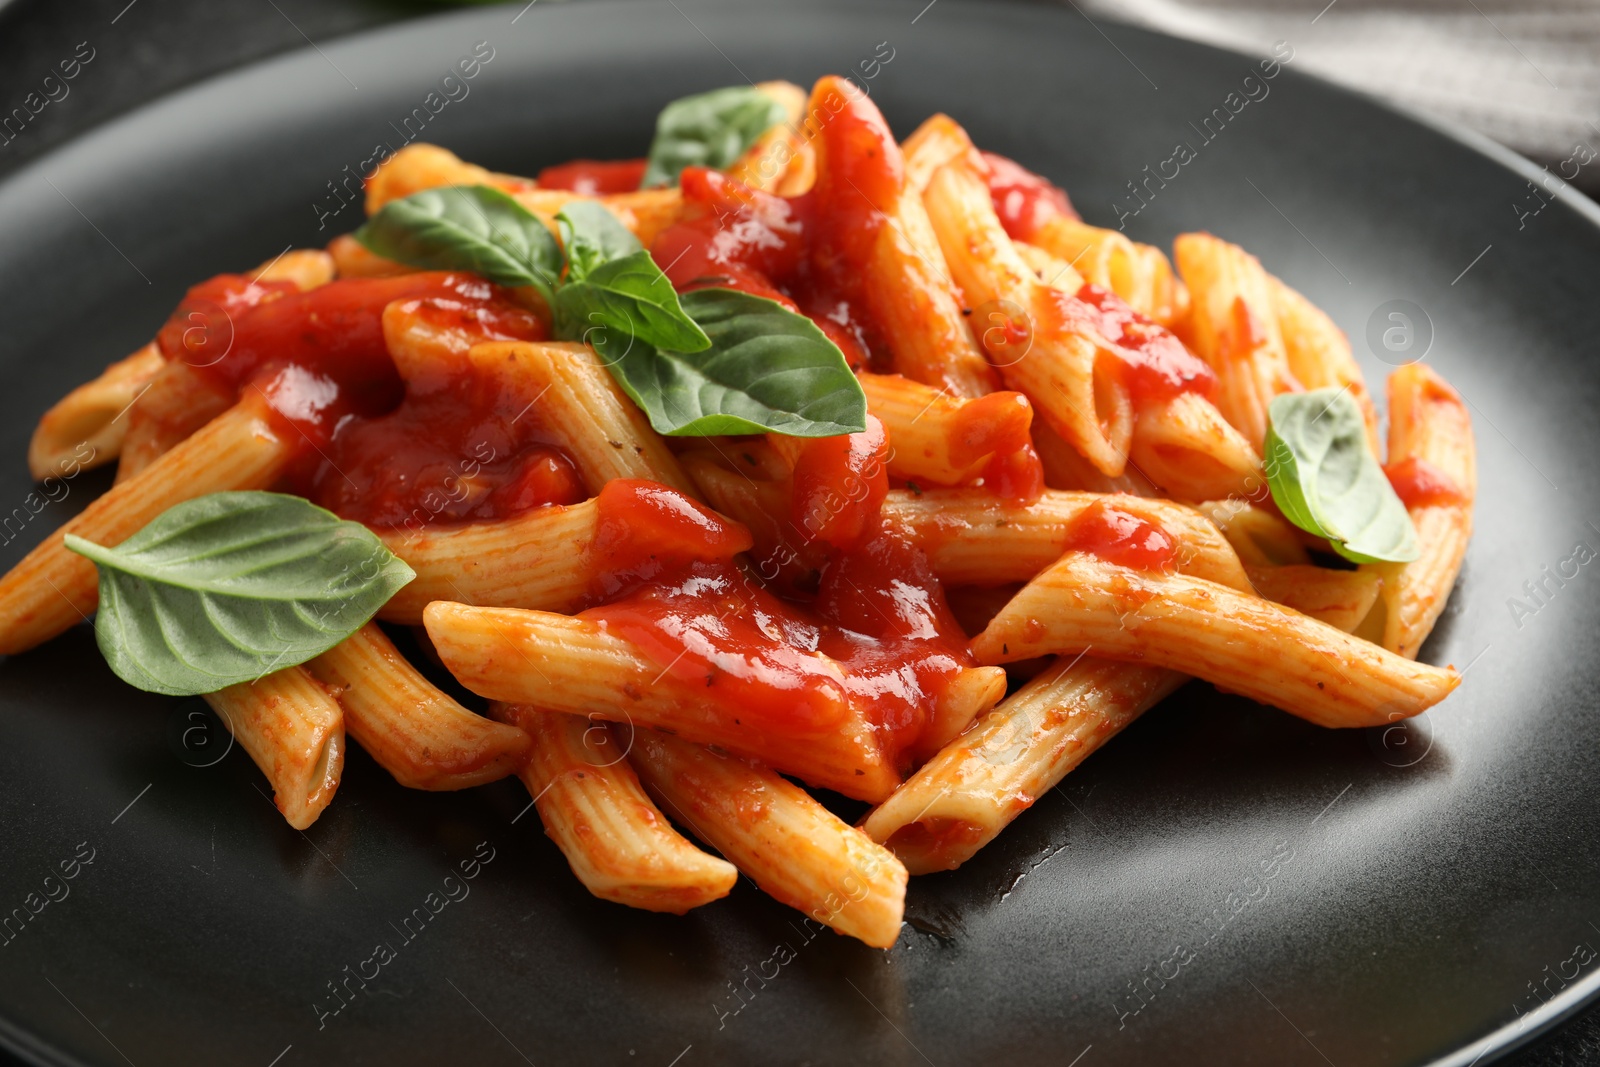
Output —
(767, 369)
(229, 587)
(1326, 480)
(712, 361)
(466, 227)
(708, 130)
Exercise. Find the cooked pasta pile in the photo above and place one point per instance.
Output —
(822, 459)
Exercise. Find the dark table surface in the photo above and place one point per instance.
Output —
(146, 48)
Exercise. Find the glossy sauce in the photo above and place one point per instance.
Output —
(1419, 484)
(1118, 537)
(840, 484)
(810, 251)
(998, 425)
(457, 448)
(593, 177)
(878, 613)
(1156, 365)
(1024, 200)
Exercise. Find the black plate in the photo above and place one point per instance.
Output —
(1433, 884)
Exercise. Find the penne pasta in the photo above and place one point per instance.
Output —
(904, 282)
(944, 439)
(1233, 326)
(968, 695)
(1075, 383)
(1339, 598)
(1238, 641)
(539, 559)
(415, 732)
(782, 160)
(795, 849)
(1065, 468)
(177, 402)
(1433, 463)
(574, 666)
(1261, 537)
(86, 428)
(961, 799)
(1185, 446)
(594, 808)
(53, 588)
(307, 268)
(352, 259)
(294, 730)
(938, 141)
(974, 538)
(417, 167)
(682, 637)
(972, 789)
(425, 166)
(606, 435)
(1319, 353)
(1139, 273)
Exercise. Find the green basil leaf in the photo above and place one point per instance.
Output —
(768, 369)
(708, 130)
(466, 227)
(1326, 480)
(631, 296)
(591, 236)
(228, 587)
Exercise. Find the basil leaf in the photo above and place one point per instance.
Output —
(228, 587)
(591, 236)
(768, 369)
(708, 130)
(1327, 482)
(466, 227)
(629, 295)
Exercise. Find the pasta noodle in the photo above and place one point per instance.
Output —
(1054, 489)
(574, 666)
(791, 846)
(1075, 383)
(1234, 326)
(414, 731)
(294, 730)
(594, 808)
(1432, 452)
(1201, 628)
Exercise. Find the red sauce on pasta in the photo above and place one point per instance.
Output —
(1156, 365)
(839, 485)
(1122, 538)
(998, 426)
(593, 177)
(460, 447)
(878, 613)
(1419, 484)
(1024, 200)
(810, 251)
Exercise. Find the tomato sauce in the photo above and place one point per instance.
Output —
(455, 447)
(878, 613)
(809, 252)
(1118, 537)
(840, 484)
(1419, 484)
(1024, 200)
(998, 426)
(1156, 365)
(593, 177)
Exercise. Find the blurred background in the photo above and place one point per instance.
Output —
(1526, 74)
